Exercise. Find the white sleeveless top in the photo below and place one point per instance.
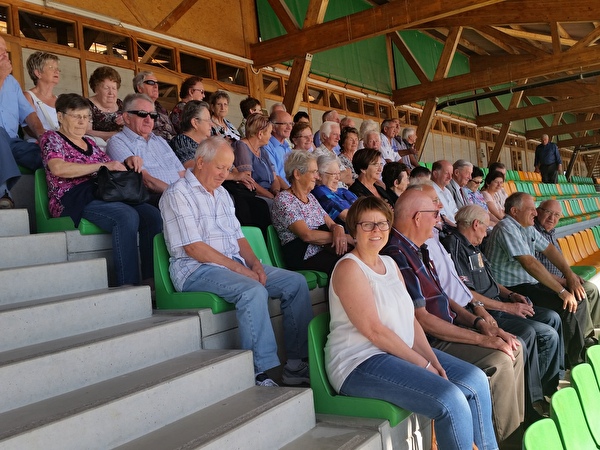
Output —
(46, 114)
(346, 347)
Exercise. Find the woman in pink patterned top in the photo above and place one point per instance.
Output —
(310, 238)
(71, 162)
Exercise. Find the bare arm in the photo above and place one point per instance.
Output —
(573, 283)
(153, 184)
(521, 309)
(64, 169)
(356, 297)
(34, 124)
(536, 269)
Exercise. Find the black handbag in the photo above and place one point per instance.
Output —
(121, 186)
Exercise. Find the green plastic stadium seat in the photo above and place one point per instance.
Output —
(327, 401)
(592, 356)
(566, 412)
(45, 223)
(542, 435)
(166, 295)
(585, 384)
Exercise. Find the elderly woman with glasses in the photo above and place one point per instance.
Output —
(107, 108)
(302, 136)
(310, 238)
(368, 164)
(191, 89)
(334, 199)
(44, 71)
(146, 82)
(252, 159)
(71, 162)
(348, 147)
(219, 108)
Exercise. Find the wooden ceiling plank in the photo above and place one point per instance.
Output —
(448, 53)
(463, 42)
(362, 25)
(499, 35)
(587, 40)
(500, 139)
(539, 110)
(500, 43)
(539, 37)
(409, 57)
(177, 13)
(584, 140)
(521, 12)
(585, 58)
(315, 13)
(557, 130)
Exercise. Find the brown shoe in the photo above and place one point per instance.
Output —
(6, 202)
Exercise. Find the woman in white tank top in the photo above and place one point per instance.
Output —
(377, 349)
(45, 74)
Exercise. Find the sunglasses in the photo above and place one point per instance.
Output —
(143, 114)
(151, 82)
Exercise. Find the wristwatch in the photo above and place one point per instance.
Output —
(476, 303)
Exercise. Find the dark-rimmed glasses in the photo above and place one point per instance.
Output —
(552, 213)
(143, 114)
(370, 226)
(436, 212)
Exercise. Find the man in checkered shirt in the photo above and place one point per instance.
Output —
(548, 214)
(511, 253)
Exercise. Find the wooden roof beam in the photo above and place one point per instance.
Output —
(372, 22)
(520, 12)
(177, 13)
(557, 130)
(587, 40)
(284, 15)
(582, 59)
(538, 37)
(497, 34)
(408, 56)
(539, 110)
(584, 140)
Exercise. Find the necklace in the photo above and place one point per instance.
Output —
(256, 150)
(298, 197)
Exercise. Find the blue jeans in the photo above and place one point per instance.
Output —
(124, 222)
(461, 406)
(250, 299)
(9, 171)
(27, 154)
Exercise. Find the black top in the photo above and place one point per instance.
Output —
(361, 191)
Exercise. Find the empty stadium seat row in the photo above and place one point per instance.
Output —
(582, 251)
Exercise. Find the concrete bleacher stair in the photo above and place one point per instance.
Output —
(83, 365)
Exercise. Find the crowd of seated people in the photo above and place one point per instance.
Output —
(206, 187)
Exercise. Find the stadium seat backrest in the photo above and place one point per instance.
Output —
(257, 242)
(566, 412)
(566, 250)
(542, 434)
(583, 251)
(592, 356)
(585, 384)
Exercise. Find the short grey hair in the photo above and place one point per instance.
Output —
(327, 126)
(324, 161)
(468, 214)
(515, 201)
(407, 132)
(207, 149)
(460, 163)
(130, 99)
(297, 160)
(367, 125)
(139, 79)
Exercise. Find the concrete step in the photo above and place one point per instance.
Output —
(258, 418)
(33, 249)
(49, 280)
(36, 321)
(115, 411)
(330, 437)
(40, 371)
(14, 222)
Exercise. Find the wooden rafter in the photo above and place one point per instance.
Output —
(519, 12)
(556, 38)
(587, 40)
(464, 43)
(557, 130)
(501, 138)
(584, 58)
(538, 37)
(283, 13)
(362, 25)
(584, 140)
(498, 35)
(540, 119)
(177, 13)
(539, 110)
(409, 57)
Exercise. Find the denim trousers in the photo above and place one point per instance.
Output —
(124, 222)
(9, 171)
(541, 336)
(27, 154)
(461, 406)
(250, 299)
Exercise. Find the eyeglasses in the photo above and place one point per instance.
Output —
(333, 174)
(143, 114)
(370, 226)
(436, 212)
(80, 117)
(287, 124)
(475, 181)
(308, 137)
(199, 90)
(53, 68)
(312, 172)
(151, 82)
(376, 164)
(552, 213)
(200, 119)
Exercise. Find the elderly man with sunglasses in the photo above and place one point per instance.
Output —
(548, 214)
(160, 166)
